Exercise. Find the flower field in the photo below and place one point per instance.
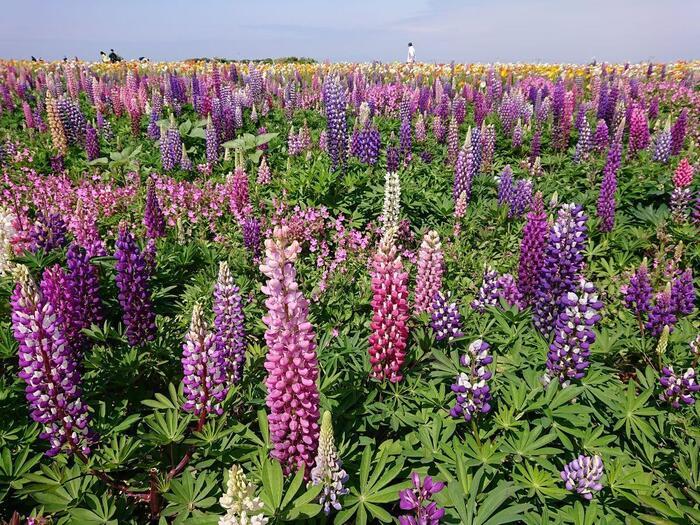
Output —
(243, 293)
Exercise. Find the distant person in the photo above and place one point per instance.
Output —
(113, 57)
(33, 58)
(411, 54)
(103, 57)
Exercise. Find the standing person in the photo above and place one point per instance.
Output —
(411, 54)
(104, 57)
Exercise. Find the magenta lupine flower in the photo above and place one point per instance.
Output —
(48, 233)
(678, 388)
(56, 290)
(573, 334)
(387, 342)
(662, 313)
(471, 387)
(683, 176)
(203, 368)
(334, 101)
(430, 269)
(678, 131)
(583, 475)
(291, 363)
(608, 186)
(639, 131)
(264, 173)
(601, 137)
(446, 320)
(637, 293)
(239, 199)
(229, 330)
(49, 368)
(562, 265)
(153, 218)
(92, 144)
(134, 291)
(532, 250)
(683, 293)
(418, 501)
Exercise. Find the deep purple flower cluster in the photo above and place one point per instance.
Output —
(678, 131)
(662, 145)
(464, 170)
(683, 293)
(446, 320)
(583, 476)
(170, 147)
(573, 334)
(471, 387)
(153, 218)
(417, 501)
(532, 250)
(678, 388)
(229, 335)
(606, 198)
(637, 293)
(73, 120)
(366, 144)
(92, 144)
(83, 281)
(48, 233)
(334, 100)
(134, 291)
(494, 287)
(251, 235)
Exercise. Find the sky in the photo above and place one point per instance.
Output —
(355, 30)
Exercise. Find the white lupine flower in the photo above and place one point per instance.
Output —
(7, 232)
(239, 500)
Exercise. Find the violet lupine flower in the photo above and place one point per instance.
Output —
(472, 389)
(637, 293)
(446, 320)
(251, 235)
(134, 291)
(92, 144)
(662, 313)
(430, 269)
(229, 330)
(683, 293)
(535, 145)
(573, 334)
(520, 198)
(334, 100)
(662, 145)
(185, 161)
(678, 131)
(48, 233)
(464, 170)
(153, 218)
(488, 146)
(608, 186)
(583, 475)
(678, 388)
(419, 129)
(49, 368)
(563, 262)
(390, 314)
(84, 285)
(494, 287)
(171, 147)
(291, 363)
(601, 137)
(212, 140)
(392, 159)
(203, 369)
(405, 142)
(532, 250)
(366, 144)
(328, 469)
(517, 137)
(585, 142)
(505, 186)
(418, 501)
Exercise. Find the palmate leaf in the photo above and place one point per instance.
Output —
(57, 487)
(189, 496)
(296, 501)
(13, 466)
(631, 412)
(529, 444)
(100, 510)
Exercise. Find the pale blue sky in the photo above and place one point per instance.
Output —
(355, 30)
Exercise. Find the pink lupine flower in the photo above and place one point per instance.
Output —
(430, 269)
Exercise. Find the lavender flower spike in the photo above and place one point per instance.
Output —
(583, 475)
(228, 323)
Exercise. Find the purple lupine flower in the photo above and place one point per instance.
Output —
(637, 293)
(584, 144)
(683, 293)
(334, 100)
(405, 143)
(134, 291)
(471, 387)
(464, 170)
(495, 287)
(439, 130)
(505, 186)
(678, 388)
(608, 186)
(678, 132)
(488, 145)
(92, 144)
(517, 137)
(251, 235)
(583, 475)
(392, 159)
(185, 161)
(84, 285)
(153, 131)
(48, 233)
(476, 151)
(49, 368)
(73, 120)
(520, 198)
(153, 218)
(203, 367)
(229, 331)
(446, 320)
(452, 142)
(170, 147)
(535, 145)
(662, 145)
(573, 334)
(418, 501)
(662, 313)
(601, 137)
(56, 291)
(532, 250)
(563, 262)
(212, 140)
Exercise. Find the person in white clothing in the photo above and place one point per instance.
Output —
(411, 54)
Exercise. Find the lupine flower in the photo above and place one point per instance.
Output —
(393, 157)
(328, 470)
(505, 186)
(488, 145)
(204, 369)
(212, 140)
(584, 144)
(563, 262)
(419, 129)
(48, 233)
(58, 133)
(229, 331)
(678, 132)
(185, 161)
(264, 173)
(637, 293)
(601, 137)
(452, 142)
(472, 389)
(606, 198)
(683, 293)
(84, 285)
(573, 334)
(520, 198)
(532, 250)
(662, 145)
(392, 201)
(494, 287)
(153, 218)
(7, 233)
(583, 475)
(92, 144)
(695, 346)
(446, 320)
(390, 314)
(418, 501)
(662, 313)
(639, 131)
(430, 269)
(251, 235)
(678, 388)
(242, 506)
(535, 145)
(464, 170)
(680, 198)
(134, 291)
(683, 176)
(405, 143)
(291, 363)
(49, 368)
(334, 100)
